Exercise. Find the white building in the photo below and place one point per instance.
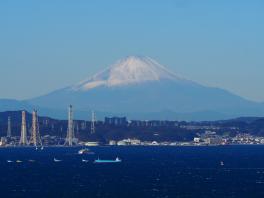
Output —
(112, 142)
(196, 140)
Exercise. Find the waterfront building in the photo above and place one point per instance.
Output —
(196, 140)
(91, 144)
(122, 143)
(213, 140)
(112, 143)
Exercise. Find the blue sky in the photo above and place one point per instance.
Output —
(47, 45)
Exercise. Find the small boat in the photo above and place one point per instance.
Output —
(84, 151)
(85, 161)
(40, 148)
(31, 160)
(222, 163)
(56, 160)
(117, 160)
(9, 161)
(18, 161)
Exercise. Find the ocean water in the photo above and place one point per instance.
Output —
(144, 172)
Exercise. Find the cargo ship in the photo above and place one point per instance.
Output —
(117, 160)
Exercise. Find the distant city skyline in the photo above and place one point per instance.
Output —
(49, 45)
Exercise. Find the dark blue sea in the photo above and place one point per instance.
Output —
(166, 172)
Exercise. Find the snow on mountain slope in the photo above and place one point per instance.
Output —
(127, 71)
(141, 85)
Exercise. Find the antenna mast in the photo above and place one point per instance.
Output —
(23, 137)
(35, 138)
(93, 123)
(70, 131)
(9, 127)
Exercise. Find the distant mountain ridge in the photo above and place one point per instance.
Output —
(142, 88)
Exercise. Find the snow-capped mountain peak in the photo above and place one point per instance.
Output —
(130, 70)
(135, 86)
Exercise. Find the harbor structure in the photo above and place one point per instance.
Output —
(23, 137)
(70, 130)
(35, 138)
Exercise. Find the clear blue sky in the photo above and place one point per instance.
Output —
(46, 45)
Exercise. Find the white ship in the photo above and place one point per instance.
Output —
(85, 151)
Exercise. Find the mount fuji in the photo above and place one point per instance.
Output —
(141, 88)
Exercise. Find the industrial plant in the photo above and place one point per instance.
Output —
(23, 129)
